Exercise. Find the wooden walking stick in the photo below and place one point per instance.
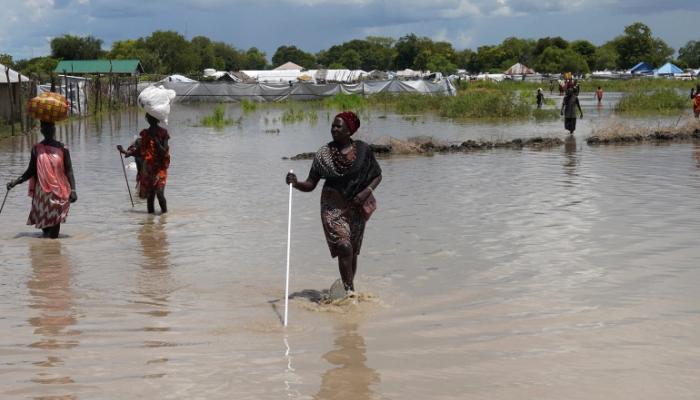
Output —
(121, 157)
(4, 200)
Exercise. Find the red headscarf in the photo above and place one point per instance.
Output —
(351, 120)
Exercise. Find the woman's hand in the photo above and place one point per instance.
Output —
(73, 196)
(121, 149)
(291, 179)
(11, 184)
(361, 197)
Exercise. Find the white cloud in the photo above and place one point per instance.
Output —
(37, 9)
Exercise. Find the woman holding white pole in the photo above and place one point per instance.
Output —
(351, 174)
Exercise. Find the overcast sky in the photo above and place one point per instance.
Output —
(313, 25)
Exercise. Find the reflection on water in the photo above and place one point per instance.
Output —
(154, 284)
(571, 157)
(351, 378)
(50, 288)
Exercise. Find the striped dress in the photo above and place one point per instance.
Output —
(49, 188)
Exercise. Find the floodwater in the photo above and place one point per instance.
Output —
(568, 273)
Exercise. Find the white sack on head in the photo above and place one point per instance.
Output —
(155, 100)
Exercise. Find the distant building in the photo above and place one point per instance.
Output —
(94, 67)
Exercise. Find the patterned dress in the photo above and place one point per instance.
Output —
(49, 188)
(346, 175)
(153, 172)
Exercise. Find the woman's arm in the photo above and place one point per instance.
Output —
(68, 169)
(306, 186)
(28, 174)
(361, 197)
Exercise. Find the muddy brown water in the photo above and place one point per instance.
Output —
(569, 273)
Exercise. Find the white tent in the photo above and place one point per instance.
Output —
(340, 75)
(14, 75)
(519, 69)
(9, 109)
(177, 78)
(288, 65)
(274, 76)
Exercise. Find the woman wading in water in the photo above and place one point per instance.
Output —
(351, 173)
(52, 185)
(153, 150)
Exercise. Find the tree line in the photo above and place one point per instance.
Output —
(167, 52)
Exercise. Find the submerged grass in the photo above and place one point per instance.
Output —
(248, 105)
(662, 101)
(217, 118)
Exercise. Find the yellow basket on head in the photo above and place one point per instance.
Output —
(48, 107)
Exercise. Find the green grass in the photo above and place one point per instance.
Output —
(297, 113)
(217, 118)
(248, 105)
(662, 101)
(635, 85)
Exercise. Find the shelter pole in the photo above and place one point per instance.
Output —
(77, 92)
(12, 102)
(65, 91)
(21, 103)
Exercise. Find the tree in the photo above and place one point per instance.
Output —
(605, 57)
(585, 49)
(407, 49)
(351, 59)
(204, 48)
(690, 54)
(637, 45)
(440, 63)
(545, 42)
(255, 59)
(69, 47)
(556, 60)
(173, 51)
(42, 66)
(295, 55)
(6, 60)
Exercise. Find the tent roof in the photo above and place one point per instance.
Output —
(99, 66)
(641, 67)
(519, 69)
(14, 75)
(288, 65)
(668, 69)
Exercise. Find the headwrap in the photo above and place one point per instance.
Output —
(351, 120)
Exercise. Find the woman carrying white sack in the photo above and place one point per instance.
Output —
(151, 148)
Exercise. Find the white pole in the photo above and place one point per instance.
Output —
(289, 241)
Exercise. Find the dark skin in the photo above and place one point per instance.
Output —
(163, 148)
(347, 257)
(48, 129)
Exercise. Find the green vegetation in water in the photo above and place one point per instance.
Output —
(343, 101)
(296, 113)
(217, 118)
(248, 105)
(662, 101)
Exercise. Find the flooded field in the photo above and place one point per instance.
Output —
(569, 273)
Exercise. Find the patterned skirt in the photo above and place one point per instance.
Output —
(343, 223)
(47, 209)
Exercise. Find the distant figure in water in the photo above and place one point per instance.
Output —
(153, 150)
(51, 183)
(568, 109)
(599, 94)
(352, 173)
(540, 98)
(695, 96)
